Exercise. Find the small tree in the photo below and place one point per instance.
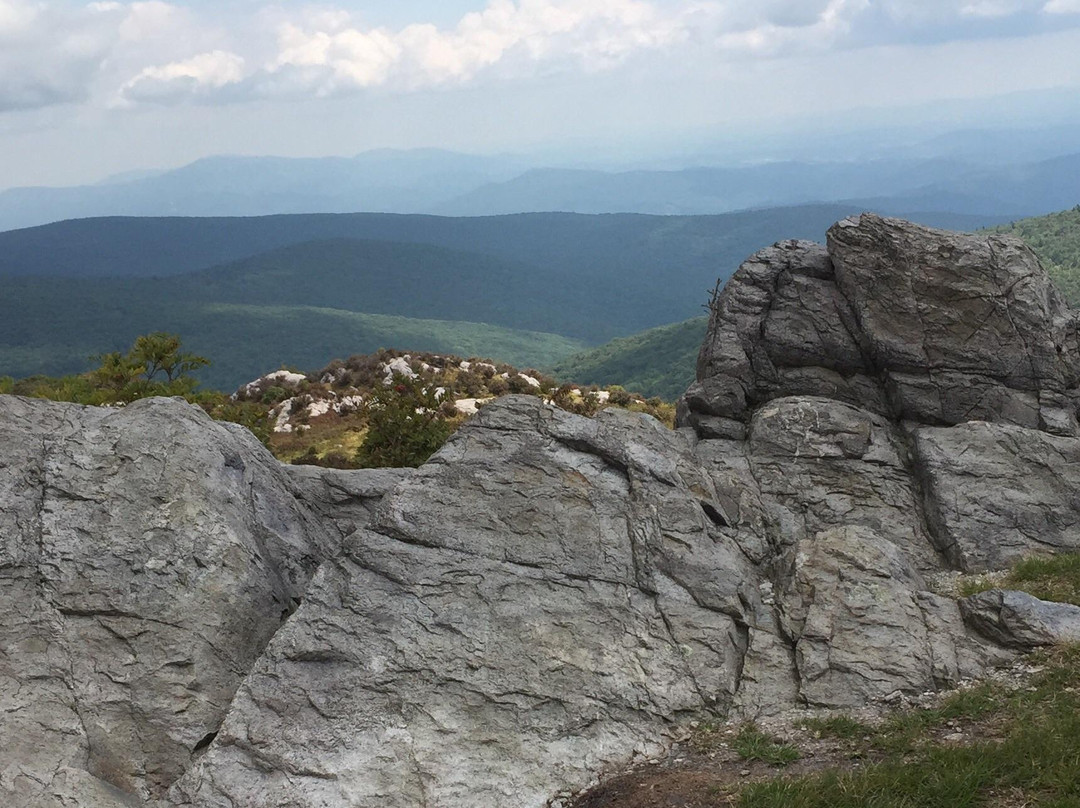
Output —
(155, 366)
(159, 353)
(405, 425)
(116, 373)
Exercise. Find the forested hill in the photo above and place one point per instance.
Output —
(255, 293)
(606, 243)
(657, 362)
(1056, 239)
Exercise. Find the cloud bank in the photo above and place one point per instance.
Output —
(128, 54)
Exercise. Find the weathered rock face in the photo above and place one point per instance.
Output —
(925, 330)
(997, 492)
(185, 622)
(918, 324)
(533, 606)
(147, 556)
(1020, 620)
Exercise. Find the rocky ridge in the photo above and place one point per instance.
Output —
(186, 622)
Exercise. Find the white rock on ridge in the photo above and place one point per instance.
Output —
(471, 406)
(320, 407)
(280, 378)
(467, 365)
(399, 366)
(281, 413)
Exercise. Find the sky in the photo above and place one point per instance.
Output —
(89, 89)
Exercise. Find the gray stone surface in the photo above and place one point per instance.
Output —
(185, 623)
(996, 493)
(345, 498)
(919, 324)
(865, 626)
(530, 608)
(961, 327)
(1020, 620)
(825, 464)
(149, 555)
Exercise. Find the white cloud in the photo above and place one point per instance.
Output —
(200, 73)
(15, 17)
(592, 34)
(147, 20)
(989, 9)
(1062, 7)
(151, 51)
(58, 52)
(929, 12)
(776, 32)
(47, 55)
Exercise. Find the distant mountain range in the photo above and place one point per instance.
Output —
(384, 180)
(702, 190)
(452, 184)
(252, 293)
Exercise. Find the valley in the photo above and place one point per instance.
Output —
(258, 293)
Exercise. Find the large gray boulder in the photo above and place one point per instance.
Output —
(533, 607)
(996, 493)
(147, 556)
(185, 622)
(918, 324)
(959, 327)
(956, 345)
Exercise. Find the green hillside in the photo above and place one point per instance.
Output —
(54, 330)
(1056, 240)
(658, 362)
(604, 276)
(401, 279)
(79, 288)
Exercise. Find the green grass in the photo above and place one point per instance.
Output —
(1024, 742)
(838, 726)
(753, 744)
(1056, 578)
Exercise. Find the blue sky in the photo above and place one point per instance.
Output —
(91, 88)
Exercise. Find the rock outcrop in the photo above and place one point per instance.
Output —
(184, 622)
(959, 343)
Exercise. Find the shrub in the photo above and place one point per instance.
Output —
(405, 425)
(274, 395)
(517, 384)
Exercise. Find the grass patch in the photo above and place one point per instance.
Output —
(341, 438)
(1056, 578)
(753, 744)
(1032, 755)
(839, 726)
